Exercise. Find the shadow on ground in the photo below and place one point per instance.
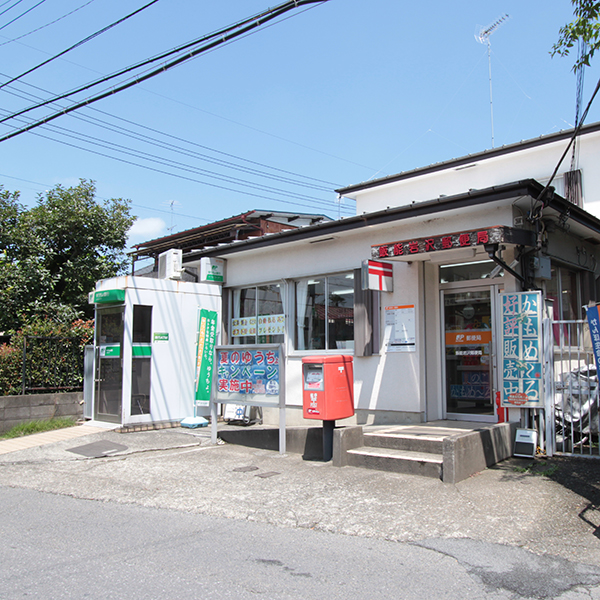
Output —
(579, 475)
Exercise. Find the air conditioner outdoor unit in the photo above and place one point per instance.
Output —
(170, 264)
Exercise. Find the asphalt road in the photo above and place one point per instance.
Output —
(58, 547)
(169, 516)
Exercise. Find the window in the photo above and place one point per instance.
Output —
(142, 324)
(325, 313)
(141, 364)
(481, 269)
(563, 290)
(258, 315)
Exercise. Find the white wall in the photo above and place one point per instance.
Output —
(534, 163)
(174, 311)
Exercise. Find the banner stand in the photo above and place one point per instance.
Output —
(250, 375)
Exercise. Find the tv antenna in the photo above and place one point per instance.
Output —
(172, 204)
(483, 37)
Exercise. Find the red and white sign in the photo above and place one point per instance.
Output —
(380, 275)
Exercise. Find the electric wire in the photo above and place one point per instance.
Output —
(172, 147)
(161, 210)
(541, 199)
(81, 42)
(307, 201)
(163, 172)
(181, 166)
(15, 4)
(20, 37)
(270, 134)
(22, 14)
(173, 164)
(245, 25)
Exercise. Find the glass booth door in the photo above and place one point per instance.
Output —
(469, 353)
(109, 365)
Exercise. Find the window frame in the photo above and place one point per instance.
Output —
(244, 340)
(294, 338)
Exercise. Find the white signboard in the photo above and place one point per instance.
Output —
(212, 270)
(400, 326)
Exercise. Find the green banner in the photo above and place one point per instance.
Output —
(108, 297)
(141, 350)
(207, 336)
(110, 351)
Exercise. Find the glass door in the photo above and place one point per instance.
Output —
(469, 353)
(109, 365)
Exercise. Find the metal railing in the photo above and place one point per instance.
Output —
(571, 424)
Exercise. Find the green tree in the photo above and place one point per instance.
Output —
(585, 27)
(51, 255)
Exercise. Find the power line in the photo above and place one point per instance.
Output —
(81, 42)
(47, 24)
(224, 35)
(48, 185)
(15, 4)
(22, 14)
(245, 193)
(183, 167)
(171, 147)
(305, 201)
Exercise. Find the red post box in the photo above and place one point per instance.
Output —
(328, 387)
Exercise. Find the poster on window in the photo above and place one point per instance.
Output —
(249, 374)
(521, 350)
(400, 327)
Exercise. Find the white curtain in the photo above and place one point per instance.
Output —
(301, 305)
(237, 295)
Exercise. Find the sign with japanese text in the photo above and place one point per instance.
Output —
(594, 323)
(448, 241)
(249, 374)
(267, 325)
(521, 350)
(212, 270)
(207, 337)
(401, 328)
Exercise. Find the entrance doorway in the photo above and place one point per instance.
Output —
(109, 365)
(469, 352)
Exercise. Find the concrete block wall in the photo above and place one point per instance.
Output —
(15, 410)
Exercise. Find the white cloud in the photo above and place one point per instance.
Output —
(144, 230)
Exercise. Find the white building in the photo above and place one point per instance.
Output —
(457, 235)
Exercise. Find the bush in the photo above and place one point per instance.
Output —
(54, 356)
(11, 370)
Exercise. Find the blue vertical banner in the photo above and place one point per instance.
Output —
(521, 350)
(594, 323)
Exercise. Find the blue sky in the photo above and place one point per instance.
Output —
(331, 95)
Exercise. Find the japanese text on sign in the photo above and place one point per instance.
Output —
(207, 336)
(521, 353)
(248, 371)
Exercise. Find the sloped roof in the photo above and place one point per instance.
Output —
(254, 223)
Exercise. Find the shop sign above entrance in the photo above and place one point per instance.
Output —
(107, 297)
(449, 241)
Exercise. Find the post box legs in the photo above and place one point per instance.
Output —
(328, 427)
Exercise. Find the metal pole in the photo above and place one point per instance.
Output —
(24, 363)
(491, 102)
(328, 427)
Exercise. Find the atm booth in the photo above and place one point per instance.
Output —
(150, 334)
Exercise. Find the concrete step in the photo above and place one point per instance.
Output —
(397, 461)
(429, 443)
